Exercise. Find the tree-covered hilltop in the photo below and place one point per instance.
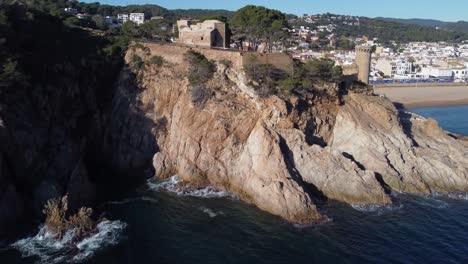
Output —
(252, 22)
(150, 10)
(35, 46)
(459, 26)
(385, 30)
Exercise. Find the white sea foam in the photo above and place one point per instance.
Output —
(51, 250)
(175, 185)
(430, 201)
(210, 212)
(454, 195)
(376, 208)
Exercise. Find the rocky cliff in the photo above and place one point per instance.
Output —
(55, 88)
(75, 129)
(282, 155)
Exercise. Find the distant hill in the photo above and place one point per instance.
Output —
(385, 30)
(460, 26)
(197, 13)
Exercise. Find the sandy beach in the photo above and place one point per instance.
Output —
(408, 97)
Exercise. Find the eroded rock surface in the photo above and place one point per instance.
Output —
(411, 153)
(280, 154)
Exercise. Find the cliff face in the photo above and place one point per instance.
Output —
(45, 134)
(411, 153)
(283, 155)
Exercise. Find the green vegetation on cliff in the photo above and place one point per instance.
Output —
(37, 48)
(305, 79)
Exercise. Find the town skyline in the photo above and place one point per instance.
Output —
(413, 9)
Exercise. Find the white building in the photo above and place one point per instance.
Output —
(122, 18)
(404, 67)
(137, 18)
(392, 69)
(460, 73)
(436, 72)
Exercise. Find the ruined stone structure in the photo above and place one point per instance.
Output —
(209, 33)
(361, 67)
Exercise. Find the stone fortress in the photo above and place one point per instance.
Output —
(216, 34)
(209, 33)
(360, 69)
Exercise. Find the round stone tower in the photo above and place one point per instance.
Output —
(363, 61)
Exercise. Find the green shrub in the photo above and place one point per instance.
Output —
(289, 85)
(226, 63)
(322, 69)
(137, 63)
(157, 60)
(201, 69)
(266, 77)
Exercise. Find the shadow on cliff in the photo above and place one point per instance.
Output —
(55, 82)
(407, 125)
(129, 143)
(314, 193)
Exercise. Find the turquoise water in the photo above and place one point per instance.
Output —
(168, 227)
(451, 118)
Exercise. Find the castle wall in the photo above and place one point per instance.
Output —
(279, 60)
(350, 69)
(202, 38)
(223, 39)
(174, 53)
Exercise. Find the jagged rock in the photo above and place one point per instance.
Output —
(281, 154)
(411, 153)
(336, 176)
(274, 153)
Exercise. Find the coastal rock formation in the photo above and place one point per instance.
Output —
(411, 153)
(283, 155)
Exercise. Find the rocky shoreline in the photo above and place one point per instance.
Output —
(287, 156)
(284, 155)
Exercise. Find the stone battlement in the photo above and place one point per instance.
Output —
(174, 53)
(365, 49)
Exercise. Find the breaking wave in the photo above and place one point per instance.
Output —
(454, 195)
(175, 185)
(210, 212)
(376, 208)
(430, 201)
(51, 250)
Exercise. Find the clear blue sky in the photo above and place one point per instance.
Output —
(447, 10)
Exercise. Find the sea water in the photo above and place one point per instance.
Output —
(450, 118)
(163, 223)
